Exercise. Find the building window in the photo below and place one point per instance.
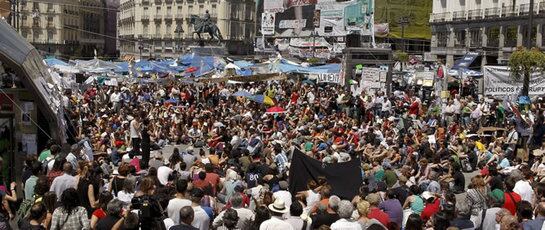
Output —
(460, 38)
(493, 37)
(476, 38)
(158, 9)
(511, 36)
(442, 38)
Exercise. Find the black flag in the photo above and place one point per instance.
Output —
(345, 178)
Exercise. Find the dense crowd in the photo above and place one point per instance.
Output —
(230, 165)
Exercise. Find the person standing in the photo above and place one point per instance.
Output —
(135, 134)
(146, 144)
(186, 217)
(177, 203)
(62, 183)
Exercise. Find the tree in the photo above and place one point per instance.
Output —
(523, 63)
(401, 57)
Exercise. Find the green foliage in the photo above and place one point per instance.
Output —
(313, 60)
(524, 61)
(401, 56)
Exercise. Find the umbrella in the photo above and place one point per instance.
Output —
(262, 99)
(241, 94)
(275, 109)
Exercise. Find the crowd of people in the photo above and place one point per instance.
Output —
(230, 161)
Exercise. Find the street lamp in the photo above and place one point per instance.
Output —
(179, 30)
(140, 47)
(313, 34)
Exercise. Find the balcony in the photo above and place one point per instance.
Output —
(542, 7)
(167, 36)
(179, 17)
(179, 1)
(474, 14)
(440, 17)
(158, 2)
(459, 15)
(50, 10)
(36, 24)
(157, 18)
(509, 11)
(168, 1)
(493, 12)
(525, 9)
(50, 25)
(145, 2)
(144, 18)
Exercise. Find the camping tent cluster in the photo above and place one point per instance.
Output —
(189, 65)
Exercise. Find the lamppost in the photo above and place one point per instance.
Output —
(179, 30)
(140, 47)
(403, 21)
(313, 34)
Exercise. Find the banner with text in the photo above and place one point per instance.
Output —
(330, 78)
(499, 83)
(267, 23)
(292, 24)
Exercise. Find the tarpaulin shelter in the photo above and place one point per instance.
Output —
(28, 64)
(152, 67)
(95, 66)
(52, 61)
(201, 64)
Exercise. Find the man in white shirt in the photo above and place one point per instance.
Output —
(201, 219)
(283, 194)
(276, 222)
(523, 186)
(64, 181)
(178, 202)
(345, 212)
(134, 128)
(244, 214)
(162, 174)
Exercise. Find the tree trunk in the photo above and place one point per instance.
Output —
(526, 84)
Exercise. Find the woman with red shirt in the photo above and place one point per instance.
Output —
(100, 212)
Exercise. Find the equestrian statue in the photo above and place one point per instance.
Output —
(205, 25)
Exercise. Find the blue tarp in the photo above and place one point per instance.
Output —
(285, 67)
(203, 64)
(152, 67)
(465, 62)
(123, 67)
(51, 61)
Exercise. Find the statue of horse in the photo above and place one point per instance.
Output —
(204, 26)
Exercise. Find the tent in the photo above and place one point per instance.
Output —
(152, 67)
(52, 61)
(95, 66)
(201, 65)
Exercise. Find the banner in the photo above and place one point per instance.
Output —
(292, 3)
(273, 6)
(267, 23)
(330, 78)
(292, 24)
(498, 82)
(370, 74)
(345, 178)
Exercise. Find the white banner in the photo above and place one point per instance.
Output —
(273, 6)
(292, 24)
(370, 74)
(330, 78)
(499, 83)
(267, 23)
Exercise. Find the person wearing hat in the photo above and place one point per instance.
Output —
(276, 222)
(496, 200)
(374, 211)
(283, 193)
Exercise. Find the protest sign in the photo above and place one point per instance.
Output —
(498, 82)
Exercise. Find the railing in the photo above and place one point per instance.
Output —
(459, 15)
(493, 12)
(157, 17)
(525, 9)
(440, 17)
(509, 11)
(541, 7)
(35, 24)
(51, 25)
(145, 2)
(179, 17)
(144, 17)
(51, 10)
(474, 14)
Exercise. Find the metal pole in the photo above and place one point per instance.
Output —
(530, 25)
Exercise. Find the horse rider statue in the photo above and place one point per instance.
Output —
(205, 25)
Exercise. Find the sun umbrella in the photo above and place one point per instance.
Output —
(275, 109)
(241, 94)
(262, 99)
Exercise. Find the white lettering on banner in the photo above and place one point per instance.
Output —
(292, 24)
(498, 82)
(267, 23)
(273, 6)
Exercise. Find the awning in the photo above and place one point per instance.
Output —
(466, 61)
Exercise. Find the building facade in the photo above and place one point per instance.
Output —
(492, 28)
(64, 28)
(162, 28)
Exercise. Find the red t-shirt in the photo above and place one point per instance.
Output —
(99, 213)
(509, 204)
(430, 210)
(213, 179)
(377, 214)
